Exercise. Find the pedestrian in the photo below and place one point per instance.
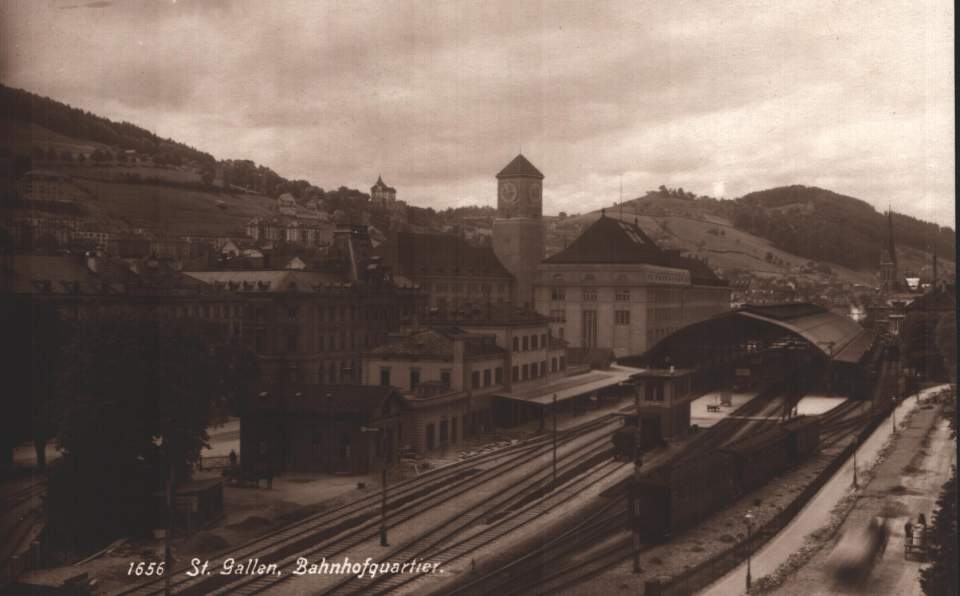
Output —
(908, 533)
(233, 458)
(922, 519)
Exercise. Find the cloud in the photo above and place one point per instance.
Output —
(438, 97)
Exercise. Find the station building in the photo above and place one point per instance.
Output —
(614, 288)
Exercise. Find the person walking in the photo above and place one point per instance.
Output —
(908, 534)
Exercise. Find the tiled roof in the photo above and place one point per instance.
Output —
(423, 343)
(610, 240)
(520, 167)
(267, 280)
(440, 254)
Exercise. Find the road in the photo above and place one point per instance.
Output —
(916, 492)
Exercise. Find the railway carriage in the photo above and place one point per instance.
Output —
(677, 495)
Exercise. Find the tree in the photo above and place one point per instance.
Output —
(940, 578)
(136, 398)
(946, 340)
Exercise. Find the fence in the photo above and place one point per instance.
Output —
(710, 570)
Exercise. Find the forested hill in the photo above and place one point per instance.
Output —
(61, 118)
(822, 225)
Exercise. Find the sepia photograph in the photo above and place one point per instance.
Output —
(478, 297)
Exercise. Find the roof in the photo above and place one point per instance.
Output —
(570, 387)
(323, 399)
(31, 274)
(611, 240)
(425, 343)
(520, 167)
(493, 315)
(380, 184)
(417, 254)
(833, 334)
(836, 336)
(438, 343)
(268, 280)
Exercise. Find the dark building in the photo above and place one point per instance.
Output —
(453, 273)
(338, 429)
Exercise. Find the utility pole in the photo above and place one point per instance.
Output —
(748, 518)
(554, 438)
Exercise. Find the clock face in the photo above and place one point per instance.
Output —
(508, 192)
(535, 194)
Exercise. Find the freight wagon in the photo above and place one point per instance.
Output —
(673, 497)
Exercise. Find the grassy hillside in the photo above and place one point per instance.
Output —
(704, 228)
(181, 211)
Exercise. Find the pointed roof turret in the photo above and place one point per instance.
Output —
(520, 167)
(890, 245)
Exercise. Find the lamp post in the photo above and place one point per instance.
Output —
(554, 438)
(855, 483)
(748, 519)
(383, 481)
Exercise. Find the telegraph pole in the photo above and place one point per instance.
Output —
(554, 438)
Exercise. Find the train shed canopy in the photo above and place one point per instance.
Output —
(836, 337)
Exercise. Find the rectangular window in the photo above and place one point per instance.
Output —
(553, 365)
(558, 294)
(525, 372)
(526, 343)
(384, 377)
(498, 376)
(543, 368)
(486, 378)
(516, 373)
(589, 294)
(621, 317)
(414, 377)
(445, 377)
(475, 379)
(558, 316)
(622, 295)
(533, 342)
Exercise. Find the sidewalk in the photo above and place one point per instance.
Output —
(817, 513)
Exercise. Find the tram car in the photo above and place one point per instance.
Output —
(684, 491)
(634, 438)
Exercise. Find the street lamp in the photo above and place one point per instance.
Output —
(383, 481)
(748, 519)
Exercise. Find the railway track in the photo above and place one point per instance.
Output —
(355, 522)
(340, 519)
(489, 523)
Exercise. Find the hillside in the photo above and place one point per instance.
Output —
(707, 228)
(138, 179)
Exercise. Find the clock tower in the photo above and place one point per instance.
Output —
(518, 227)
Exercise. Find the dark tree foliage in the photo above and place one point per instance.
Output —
(940, 578)
(920, 349)
(59, 117)
(946, 341)
(135, 396)
(826, 226)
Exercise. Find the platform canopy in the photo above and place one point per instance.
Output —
(571, 387)
(837, 337)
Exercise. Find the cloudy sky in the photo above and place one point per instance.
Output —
(721, 98)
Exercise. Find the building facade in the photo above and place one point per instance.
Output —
(454, 274)
(613, 288)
